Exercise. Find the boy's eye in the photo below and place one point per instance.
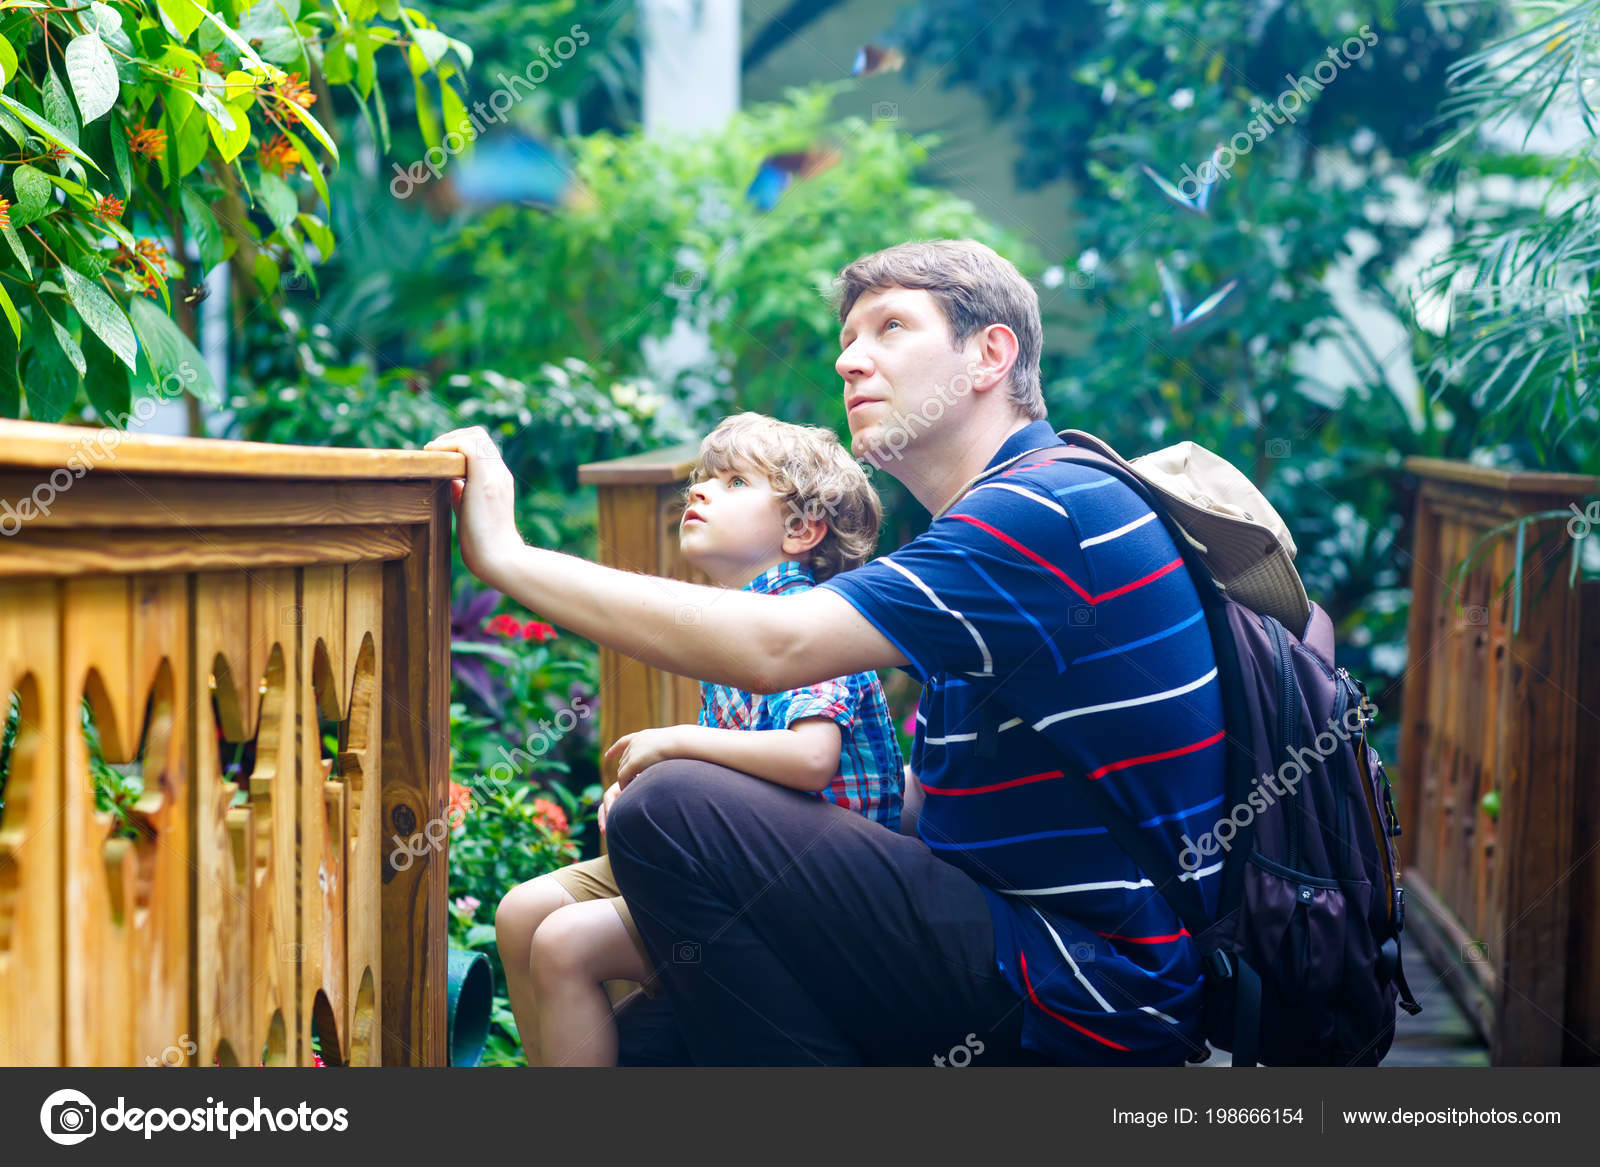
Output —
(737, 480)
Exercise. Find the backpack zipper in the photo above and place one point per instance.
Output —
(1288, 729)
(1379, 831)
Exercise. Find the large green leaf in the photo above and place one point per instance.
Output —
(69, 346)
(277, 200)
(11, 314)
(10, 382)
(101, 314)
(15, 240)
(48, 129)
(106, 383)
(8, 62)
(58, 107)
(174, 361)
(185, 15)
(52, 382)
(119, 154)
(93, 74)
(203, 228)
(34, 195)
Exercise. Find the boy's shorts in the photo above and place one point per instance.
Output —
(592, 880)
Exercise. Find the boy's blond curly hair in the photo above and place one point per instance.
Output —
(814, 476)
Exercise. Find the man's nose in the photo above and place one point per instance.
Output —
(853, 364)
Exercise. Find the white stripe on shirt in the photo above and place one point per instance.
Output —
(1128, 704)
(1044, 502)
(1077, 972)
(1104, 885)
(988, 662)
(1122, 530)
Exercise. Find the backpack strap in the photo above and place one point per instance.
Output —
(1159, 866)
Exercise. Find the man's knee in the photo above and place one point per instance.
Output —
(659, 795)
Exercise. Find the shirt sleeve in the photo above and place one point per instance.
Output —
(997, 583)
(830, 699)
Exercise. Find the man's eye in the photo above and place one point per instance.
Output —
(887, 324)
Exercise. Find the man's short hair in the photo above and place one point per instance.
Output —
(974, 285)
(812, 473)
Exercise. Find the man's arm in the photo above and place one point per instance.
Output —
(803, 757)
(759, 643)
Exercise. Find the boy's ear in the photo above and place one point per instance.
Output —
(802, 535)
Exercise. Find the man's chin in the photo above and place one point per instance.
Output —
(871, 446)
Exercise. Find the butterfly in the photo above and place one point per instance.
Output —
(196, 293)
(872, 59)
(1202, 199)
(779, 172)
(1182, 320)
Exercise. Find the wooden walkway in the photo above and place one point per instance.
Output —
(1440, 1035)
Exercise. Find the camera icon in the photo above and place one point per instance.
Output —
(1277, 448)
(685, 280)
(293, 953)
(1082, 952)
(67, 1117)
(1475, 953)
(686, 614)
(686, 952)
(294, 615)
(1475, 615)
(885, 111)
(1082, 617)
(296, 283)
(1080, 279)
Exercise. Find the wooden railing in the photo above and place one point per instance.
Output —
(641, 502)
(209, 600)
(1506, 899)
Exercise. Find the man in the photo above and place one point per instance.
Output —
(1055, 631)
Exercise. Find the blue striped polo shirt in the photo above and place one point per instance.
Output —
(1052, 624)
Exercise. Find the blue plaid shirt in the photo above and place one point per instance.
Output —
(871, 777)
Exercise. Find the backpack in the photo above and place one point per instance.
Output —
(1302, 959)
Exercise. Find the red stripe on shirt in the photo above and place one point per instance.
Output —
(1037, 558)
(1178, 935)
(1023, 957)
(1164, 754)
(1029, 466)
(1048, 774)
(1139, 583)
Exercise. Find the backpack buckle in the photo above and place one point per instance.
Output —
(1221, 962)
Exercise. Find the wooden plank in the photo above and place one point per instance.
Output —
(45, 446)
(360, 764)
(100, 873)
(97, 552)
(115, 499)
(415, 791)
(32, 904)
(224, 835)
(323, 980)
(1582, 1039)
(654, 468)
(1449, 947)
(1497, 481)
(277, 947)
(160, 934)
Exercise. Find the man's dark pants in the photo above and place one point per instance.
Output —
(789, 931)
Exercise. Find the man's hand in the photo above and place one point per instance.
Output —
(606, 800)
(483, 501)
(641, 750)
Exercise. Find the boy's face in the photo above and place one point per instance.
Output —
(733, 526)
(896, 359)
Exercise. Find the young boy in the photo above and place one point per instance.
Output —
(773, 508)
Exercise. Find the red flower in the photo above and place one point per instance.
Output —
(550, 815)
(503, 625)
(539, 631)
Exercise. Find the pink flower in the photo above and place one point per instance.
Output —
(550, 815)
(467, 905)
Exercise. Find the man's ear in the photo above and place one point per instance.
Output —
(996, 352)
(802, 534)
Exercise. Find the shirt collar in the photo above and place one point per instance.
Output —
(780, 578)
(1033, 436)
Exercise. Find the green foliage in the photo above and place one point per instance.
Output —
(664, 234)
(137, 126)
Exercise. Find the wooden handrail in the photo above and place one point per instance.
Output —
(189, 590)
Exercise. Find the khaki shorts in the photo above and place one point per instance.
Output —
(592, 880)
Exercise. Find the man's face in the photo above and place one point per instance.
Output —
(902, 376)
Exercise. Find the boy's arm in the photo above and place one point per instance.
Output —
(759, 643)
(803, 757)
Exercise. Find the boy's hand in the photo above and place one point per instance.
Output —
(641, 750)
(485, 521)
(606, 800)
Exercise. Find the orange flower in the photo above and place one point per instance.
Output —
(291, 88)
(55, 153)
(150, 143)
(214, 63)
(109, 207)
(5, 213)
(279, 156)
(460, 804)
(145, 264)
